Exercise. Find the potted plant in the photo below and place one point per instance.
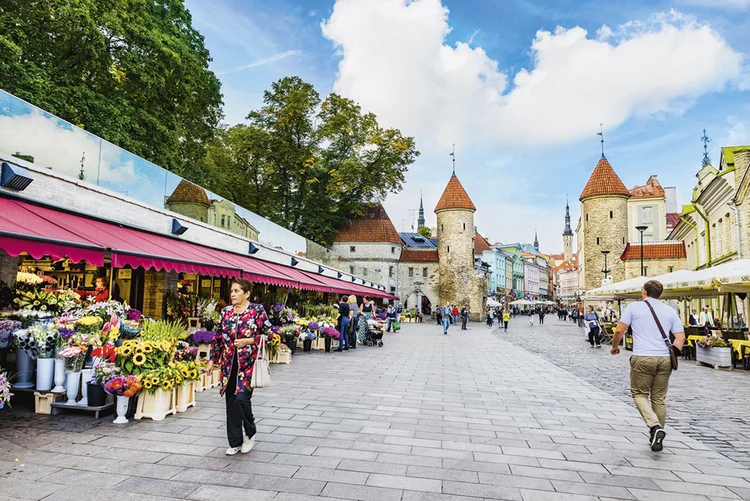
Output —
(309, 336)
(713, 351)
(101, 374)
(329, 334)
(290, 334)
(123, 388)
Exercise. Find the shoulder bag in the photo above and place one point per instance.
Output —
(672, 349)
(261, 370)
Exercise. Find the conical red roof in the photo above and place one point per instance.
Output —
(604, 181)
(454, 197)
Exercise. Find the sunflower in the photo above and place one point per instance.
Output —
(194, 374)
(147, 384)
(148, 347)
(154, 381)
(138, 349)
(126, 351)
(139, 359)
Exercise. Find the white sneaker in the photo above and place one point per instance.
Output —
(247, 444)
(232, 451)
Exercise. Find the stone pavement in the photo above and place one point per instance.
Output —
(427, 417)
(709, 405)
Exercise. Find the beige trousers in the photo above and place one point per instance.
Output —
(649, 381)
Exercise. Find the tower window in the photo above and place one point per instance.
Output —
(464, 226)
(351, 270)
(449, 248)
(411, 271)
(623, 240)
(424, 272)
(442, 228)
(390, 271)
(364, 272)
(587, 217)
(597, 240)
(352, 248)
(611, 214)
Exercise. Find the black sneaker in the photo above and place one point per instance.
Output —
(657, 438)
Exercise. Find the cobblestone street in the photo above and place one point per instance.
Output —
(709, 405)
(426, 417)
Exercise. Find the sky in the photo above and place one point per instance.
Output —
(519, 86)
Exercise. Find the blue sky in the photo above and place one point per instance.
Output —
(516, 84)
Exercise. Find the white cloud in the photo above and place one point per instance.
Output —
(395, 63)
(720, 4)
(260, 62)
(738, 133)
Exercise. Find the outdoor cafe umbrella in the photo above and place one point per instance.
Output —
(522, 302)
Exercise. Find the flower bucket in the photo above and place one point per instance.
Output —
(71, 386)
(25, 369)
(121, 409)
(59, 376)
(156, 405)
(97, 397)
(185, 396)
(200, 384)
(86, 377)
(306, 345)
(328, 344)
(45, 374)
(204, 351)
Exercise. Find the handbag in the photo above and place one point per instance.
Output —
(672, 349)
(261, 369)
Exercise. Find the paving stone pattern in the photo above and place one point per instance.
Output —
(712, 406)
(427, 417)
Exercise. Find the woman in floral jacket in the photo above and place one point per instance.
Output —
(235, 350)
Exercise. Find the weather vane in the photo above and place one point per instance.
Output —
(453, 154)
(706, 140)
(601, 134)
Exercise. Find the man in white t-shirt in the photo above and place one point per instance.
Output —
(650, 365)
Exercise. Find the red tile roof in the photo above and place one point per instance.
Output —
(425, 256)
(604, 181)
(655, 250)
(374, 226)
(673, 219)
(454, 197)
(189, 192)
(652, 189)
(480, 244)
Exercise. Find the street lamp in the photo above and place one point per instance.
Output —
(641, 229)
(605, 270)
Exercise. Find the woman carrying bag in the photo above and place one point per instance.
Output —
(235, 349)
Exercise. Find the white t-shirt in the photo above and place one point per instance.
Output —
(647, 340)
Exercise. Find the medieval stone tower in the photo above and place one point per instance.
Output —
(567, 236)
(189, 200)
(459, 283)
(604, 225)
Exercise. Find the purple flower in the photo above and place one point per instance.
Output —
(201, 337)
(133, 315)
(312, 326)
(65, 333)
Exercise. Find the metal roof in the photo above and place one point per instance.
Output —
(416, 240)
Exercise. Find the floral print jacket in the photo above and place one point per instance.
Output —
(253, 322)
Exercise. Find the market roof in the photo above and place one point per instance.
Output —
(652, 189)
(454, 197)
(418, 241)
(655, 250)
(480, 244)
(190, 193)
(424, 256)
(604, 181)
(373, 226)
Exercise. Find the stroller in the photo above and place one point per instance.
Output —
(374, 333)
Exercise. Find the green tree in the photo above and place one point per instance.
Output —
(305, 164)
(134, 72)
(424, 231)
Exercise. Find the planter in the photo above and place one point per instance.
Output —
(318, 343)
(96, 395)
(200, 384)
(215, 378)
(59, 376)
(204, 351)
(291, 343)
(715, 357)
(156, 405)
(85, 377)
(71, 386)
(282, 357)
(121, 409)
(45, 374)
(25, 370)
(328, 344)
(185, 394)
(306, 345)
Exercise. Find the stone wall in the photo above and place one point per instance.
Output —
(429, 286)
(157, 284)
(612, 233)
(654, 267)
(192, 210)
(8, 268)
(742, 165)
(459, 283)
(317, 252)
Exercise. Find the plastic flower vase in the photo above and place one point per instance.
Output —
(86, 376)
(121, 407)
(25, 369)
(59, 376)
(71, 386)
(45, 374)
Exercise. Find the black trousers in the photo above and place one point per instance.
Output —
(463, 323)
(594, 337)
(239, 411)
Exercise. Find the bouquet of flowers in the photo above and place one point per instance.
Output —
(103, 310)
(123, 386)
(712, 342)
(41, 301)
(103, 372)
(74, 358)
(203, 337)
(67, 300)
(185, 352)
(45, 336)
(26, 342)
(131, 325)
(330, 332)
(89, 324)
(313, 327)
(289, 332)
(5, 386)
(166, 377)
(105, 352)
(6, 329)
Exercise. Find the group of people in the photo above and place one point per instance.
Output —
(499, 313)
(352, 320)
(450, 314)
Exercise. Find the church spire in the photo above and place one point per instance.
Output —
(536, 241)
(420, 220)
(568, 230)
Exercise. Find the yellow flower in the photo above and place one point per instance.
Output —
(148, 347)
(155, 381)
(139, 359)
(138, 350)
(126, 351)
(147, 384)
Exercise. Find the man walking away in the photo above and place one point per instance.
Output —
(464, 317)
(592, 323)
(390, 318)
(650, 365)
(439, 315)
(506, 319)
(343, 324)
(446, 318)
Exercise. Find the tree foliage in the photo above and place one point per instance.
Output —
(134, 72)
(424, 231)
(305, 164)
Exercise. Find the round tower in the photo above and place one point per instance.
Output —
(604, 224)
(459, 283)
(189, 200)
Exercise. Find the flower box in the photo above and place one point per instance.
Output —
(318, 343)
(715, 357)
(157, 405)
(204, 351)
(185, 394)
(282, 357)
(202, 383)
(215, 378)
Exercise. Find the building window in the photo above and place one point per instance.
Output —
(411, 271)
(390, 271)
(597, 240)
(442, 227)
(645, 270)
(229, 222)
(464, 226)
(352, 248)
(623, 240)
(611, 214)
(393, 289)
(364, 272)
(351, 270)
(670, 269)
(424, 272)
(222, 221)
(449, 248)
(647, 215)
(393, 250)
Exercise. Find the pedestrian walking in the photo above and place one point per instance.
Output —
(446, 318)
(439, 315)
(506, 319)
(464, 317)
(235, 351)
(390, 317)
(592, 323)
(366, 312)
(541, 316)
(353, 322)
(651, 364)
(343, 323)
(454, 312)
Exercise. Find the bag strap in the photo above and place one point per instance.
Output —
(658, 324)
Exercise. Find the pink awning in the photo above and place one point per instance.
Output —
(257, 271)
(346, 287)
(305, 282)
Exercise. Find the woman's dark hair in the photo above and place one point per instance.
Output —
(653, 289)
(245, 284)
